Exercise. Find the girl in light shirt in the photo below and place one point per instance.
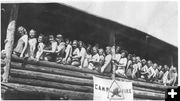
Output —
(31, 44)
(22, 43)
(94, 61)
(88, 56)
(50, 50)
(68, 52)
(75, 58)
(40, 47)
(122, 64)
(82, 53)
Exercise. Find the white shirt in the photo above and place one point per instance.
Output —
(32, 46)
(95, 58)
(123, 61)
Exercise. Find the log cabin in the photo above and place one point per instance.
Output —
(42, 80)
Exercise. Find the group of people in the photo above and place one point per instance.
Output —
(111, 60)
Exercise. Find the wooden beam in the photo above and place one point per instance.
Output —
(10, 41)
(50, 77)
(45, 69)
(50, 84)
(55, 65)
(74, 95)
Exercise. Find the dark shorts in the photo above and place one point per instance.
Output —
(51, 57)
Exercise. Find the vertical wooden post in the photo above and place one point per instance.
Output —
(114, 44)
(10, 40)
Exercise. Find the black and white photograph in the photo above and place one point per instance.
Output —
(89, 50)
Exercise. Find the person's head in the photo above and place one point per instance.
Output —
(59, 38)
(149, 63)
(159, 67)
(101, 51)
(108, 50)
(155, 65)
(89, 46)
(75, 44)
(143, 61)
(95, 50)
(138, 59)
(40, 38)
(134, 59)
(124, 53)
(67, 41)
(89, 49)
(32, 33)
(166, 68)
(22, 31)
(118, 48)
(81, 44)
(129, 57)
(51, 38)
(113, 50)
(97, 45)
(174, 70)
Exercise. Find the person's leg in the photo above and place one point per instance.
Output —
(75, 63)
(68, 61)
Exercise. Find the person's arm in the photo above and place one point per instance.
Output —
(83, 57)
(128, 64)
(33, 48)
(54, 46)
(40, 52)
(69, 51)
(25, 46)
(172, 79)
(151, 73)
(107, 61)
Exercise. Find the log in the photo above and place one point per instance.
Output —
(10, 41)
(74, 95)
(54, 65)
(50, 77)
(145, 95)
(51, 70)
(50, 84)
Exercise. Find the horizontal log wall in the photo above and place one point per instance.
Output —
(66, 78)
(87, 71)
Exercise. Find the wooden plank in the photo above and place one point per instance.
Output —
(50, 84)
(74, 95)
(10, 41)
(54, 65)
(51, 70)
(50, 77)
